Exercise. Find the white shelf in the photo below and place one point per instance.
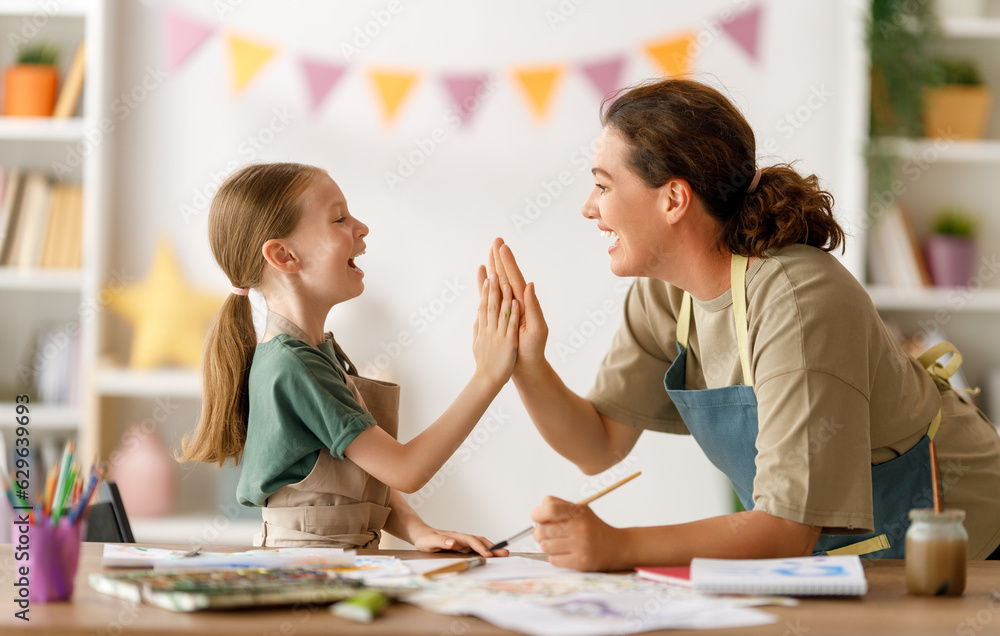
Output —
(181, 383)
(944, 150)
(41, 129)
(44, 280)
(934, 299)
(42, 417)
(209, 529)
(67, 8)
(981, 28)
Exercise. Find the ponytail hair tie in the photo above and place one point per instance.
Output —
(239, 291)
(754, 181)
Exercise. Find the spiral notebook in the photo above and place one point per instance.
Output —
(800, 576)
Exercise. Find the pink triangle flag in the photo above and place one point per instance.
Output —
(465, 91)
(744, 29)
(605, 75)
(320, 77)
(184, 35)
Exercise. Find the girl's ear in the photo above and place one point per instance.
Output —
(278, 255)
(675, 199)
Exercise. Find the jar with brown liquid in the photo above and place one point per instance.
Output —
(937, 547)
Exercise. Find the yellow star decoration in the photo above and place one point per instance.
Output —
(169, 320)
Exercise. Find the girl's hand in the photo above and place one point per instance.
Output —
(494, 339)
(533, 332)
(574, 537)
(432, 540)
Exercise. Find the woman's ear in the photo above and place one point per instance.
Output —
(675, 199)
(279, 256)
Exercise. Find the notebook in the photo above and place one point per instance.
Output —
(800, 576)
(189, 591)
(680, 575)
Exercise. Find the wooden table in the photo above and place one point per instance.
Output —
(886, 609)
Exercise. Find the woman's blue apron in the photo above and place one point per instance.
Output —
(724, 423)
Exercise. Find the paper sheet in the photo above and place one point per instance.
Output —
(130, 556)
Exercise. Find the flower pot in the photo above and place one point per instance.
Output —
(29, 90)
(951, 260)
(956, 112)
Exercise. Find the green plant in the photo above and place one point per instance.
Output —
(958, 71)
(955, 221)
(38, 54)
(904, 38)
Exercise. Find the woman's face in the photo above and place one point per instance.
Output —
(626, 210)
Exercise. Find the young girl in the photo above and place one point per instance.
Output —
(317, 442)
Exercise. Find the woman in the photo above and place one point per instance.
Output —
(742, 330)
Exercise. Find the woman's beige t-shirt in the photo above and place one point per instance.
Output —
(835, 393)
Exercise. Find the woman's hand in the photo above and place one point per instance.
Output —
(574, 537)
(533, 332)
(494, 334)
(428, 539)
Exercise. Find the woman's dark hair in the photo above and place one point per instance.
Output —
(679, 128)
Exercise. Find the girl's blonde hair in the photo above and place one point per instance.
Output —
(254, 205)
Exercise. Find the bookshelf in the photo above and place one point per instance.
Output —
(59, 300)
(936, 173)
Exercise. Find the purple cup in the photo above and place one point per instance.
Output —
(54, 555)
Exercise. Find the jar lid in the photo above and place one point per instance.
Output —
(950, 515)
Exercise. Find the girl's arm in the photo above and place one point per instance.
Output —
(405, 523)
(568, 422)
(574, 537)
(407, 467)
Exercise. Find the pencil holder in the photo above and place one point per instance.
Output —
(54, 554)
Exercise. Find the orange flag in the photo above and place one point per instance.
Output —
(392, 87)
(248, 57)
(538, 85)
(673, 55)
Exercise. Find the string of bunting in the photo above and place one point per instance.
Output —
(249, 54)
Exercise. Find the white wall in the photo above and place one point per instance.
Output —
(429, 235)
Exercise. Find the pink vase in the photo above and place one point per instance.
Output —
(951, 260)
(145, 473)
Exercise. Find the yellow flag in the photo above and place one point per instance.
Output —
(392, 88)
(674, 54)
(248, 57)
(539, 85)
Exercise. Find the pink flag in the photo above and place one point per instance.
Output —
(467, 93)
(321, 77)
(744, 29)
(184, 35)
(605, 75)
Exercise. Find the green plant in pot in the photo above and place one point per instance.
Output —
(30, 84)
(958, 106)
(951, 249)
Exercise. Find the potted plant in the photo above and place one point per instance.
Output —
(30, 84)
(959, 106)
(951, 249)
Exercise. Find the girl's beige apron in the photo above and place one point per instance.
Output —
(338, 504)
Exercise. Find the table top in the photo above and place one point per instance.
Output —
(886, 609)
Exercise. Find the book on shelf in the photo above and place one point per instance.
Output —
(894, 255)
(72, 87)
(41, 222)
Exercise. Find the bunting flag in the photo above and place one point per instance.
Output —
(744, 29)
(247, 57)
(320, 78)
(392, 88)
(465, 92)
(184, 36)
(673, 55)
(538, 84)
(606, 75)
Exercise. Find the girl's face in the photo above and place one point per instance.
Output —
(327, 240)
(626, 210)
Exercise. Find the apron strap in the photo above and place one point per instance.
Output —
(738, 277)
(880, 542)
(929, 360)
(684, 321)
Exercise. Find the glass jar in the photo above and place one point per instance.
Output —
(937, 547)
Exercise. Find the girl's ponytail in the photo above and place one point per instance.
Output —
(256, 204)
